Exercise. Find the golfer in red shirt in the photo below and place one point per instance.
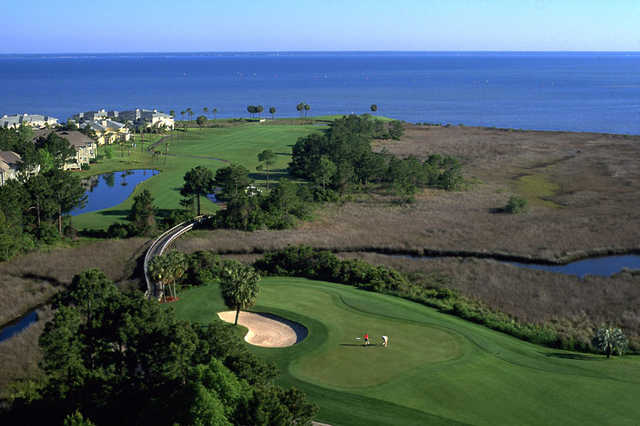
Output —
(366, 338)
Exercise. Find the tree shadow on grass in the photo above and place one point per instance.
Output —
(578, 357)
(114, 212)
(360, 345)
(275, 175)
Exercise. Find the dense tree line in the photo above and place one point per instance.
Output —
(342, 158)
(116, 359)
(32, 212)
(279, 209)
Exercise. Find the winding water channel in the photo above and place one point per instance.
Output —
(18, 325)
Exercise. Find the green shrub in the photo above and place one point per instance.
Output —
(516, 205)
(120, 230)
(47, 233)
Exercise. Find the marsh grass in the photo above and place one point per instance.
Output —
(20, 354)
(32, 279)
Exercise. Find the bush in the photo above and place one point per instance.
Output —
(516, 205)
(176, 216)
(120, 230)
(203, 267)
(85, 166)
(47, 233)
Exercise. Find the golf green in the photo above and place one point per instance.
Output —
(438, 369)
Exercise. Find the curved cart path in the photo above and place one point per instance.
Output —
(158, 247)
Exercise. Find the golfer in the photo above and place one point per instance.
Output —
(385, 341)
(366, 338)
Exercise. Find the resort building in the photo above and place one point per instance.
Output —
(146, 118)
(86, 148)
(107, 131)
(33, 120)
(100, 114)
(9, 166)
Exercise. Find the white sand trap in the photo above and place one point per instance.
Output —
(267, 330)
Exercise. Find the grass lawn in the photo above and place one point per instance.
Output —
(437, 369)
(209, 147)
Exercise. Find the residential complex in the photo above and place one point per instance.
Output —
(146, 118)
(107, 131)
(33, 120)
(86, 148)
(138, 117)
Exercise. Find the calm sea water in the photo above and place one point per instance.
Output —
(553, 91)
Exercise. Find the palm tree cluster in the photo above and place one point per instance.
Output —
(303, 108)
(255, 109)
(166, 270)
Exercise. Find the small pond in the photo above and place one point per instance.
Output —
(17, 326)
(110, 189)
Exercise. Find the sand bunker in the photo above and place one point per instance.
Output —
(267, 330)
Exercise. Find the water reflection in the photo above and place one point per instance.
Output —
(110, 189)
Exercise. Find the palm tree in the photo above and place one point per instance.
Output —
(373, 107)
(190, 112)
(306, 109)
(172, 113)
(239, 286)
(215, 113)
(610, 340)
(206, 111)
(272, 111)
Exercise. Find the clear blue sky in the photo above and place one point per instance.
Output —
(46, 26)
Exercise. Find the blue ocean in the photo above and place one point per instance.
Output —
(549, 91)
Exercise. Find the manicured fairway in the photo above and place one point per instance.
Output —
(438, 369)
(212, 148)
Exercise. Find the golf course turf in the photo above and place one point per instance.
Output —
(210, 147)
(438, 369)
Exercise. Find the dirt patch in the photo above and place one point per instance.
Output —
(267, 330)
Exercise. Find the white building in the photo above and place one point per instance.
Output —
(81, 117)
(33, 120)
(146, 117)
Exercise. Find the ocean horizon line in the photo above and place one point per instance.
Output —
(285, 52)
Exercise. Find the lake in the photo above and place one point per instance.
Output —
(110, 189)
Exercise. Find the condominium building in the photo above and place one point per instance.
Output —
(34, 120)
